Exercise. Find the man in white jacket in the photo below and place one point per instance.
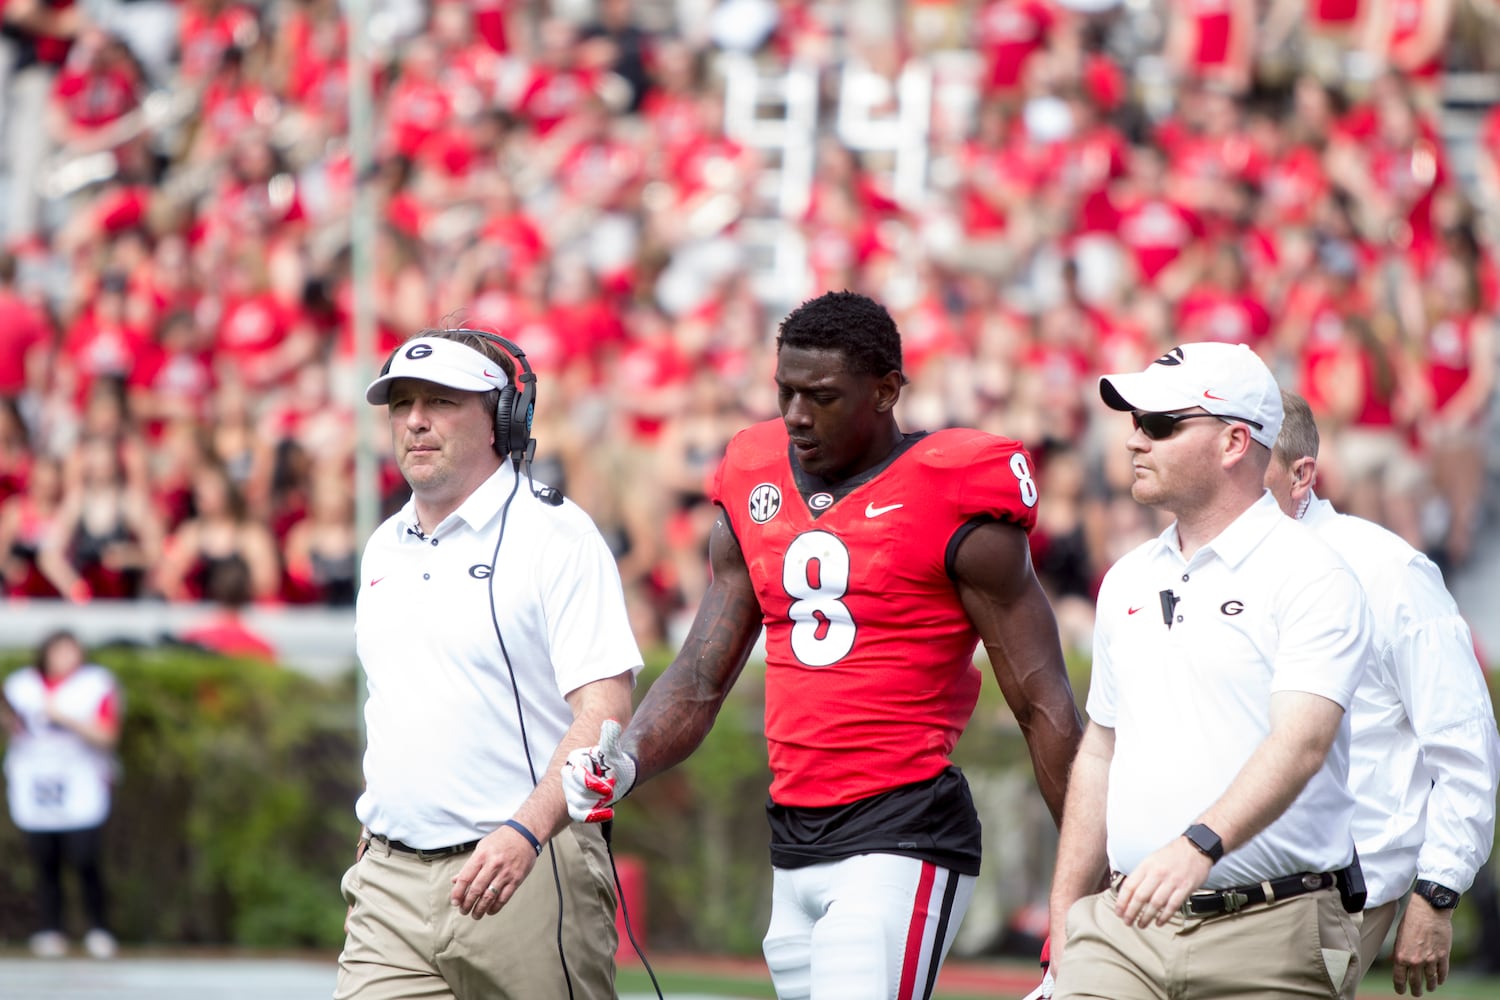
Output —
(1425, 753)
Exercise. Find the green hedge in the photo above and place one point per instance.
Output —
(233, 818)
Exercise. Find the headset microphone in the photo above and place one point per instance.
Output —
(549, 495)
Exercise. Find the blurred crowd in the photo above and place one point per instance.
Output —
(1104, 178)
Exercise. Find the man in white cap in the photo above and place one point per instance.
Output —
(1425, 754)
(491, 624)
(1205, 846)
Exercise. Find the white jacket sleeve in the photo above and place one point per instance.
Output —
(1448, 702)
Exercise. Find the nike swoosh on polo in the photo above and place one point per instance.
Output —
(873, 511)
(1209, 395)
(1131, 611)
(376, 580)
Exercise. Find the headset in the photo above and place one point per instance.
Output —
(513, 416)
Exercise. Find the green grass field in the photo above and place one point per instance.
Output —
(681, 977)
(680, 983)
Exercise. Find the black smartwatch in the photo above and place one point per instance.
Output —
(1205, 840)
(1439, 896)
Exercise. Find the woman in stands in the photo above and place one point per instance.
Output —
(106, 536)
(221, 529)
(1458, 360)
(26, 518)
(322, 552)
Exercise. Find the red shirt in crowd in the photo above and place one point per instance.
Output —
(1329, 14)
(1009, 34)
(23, 329)
(1292, 185)
(51, 50)
(228, 635)
(251, 330)
(181, 380)
(1223, 316)
(490, 18)
(205, 34)
(1406, 21)
(233, 106)
(1447, 353)
(645, 368)
(551, 95)
(417, 108)
(1087, 164)
(674, 119)
(93, 98)
(101, 347)
(1411, 177)
(1157, 231)
(1215, 25)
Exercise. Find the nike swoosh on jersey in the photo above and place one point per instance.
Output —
(376, 580)
(1131, 611)
(873, 511)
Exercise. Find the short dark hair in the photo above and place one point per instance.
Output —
(50, 642)
(855, 325)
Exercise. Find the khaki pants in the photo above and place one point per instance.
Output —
(406, 940)
(1299, 947)
(1374, 926)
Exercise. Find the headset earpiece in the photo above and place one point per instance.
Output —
(514, 412)
(503, 420)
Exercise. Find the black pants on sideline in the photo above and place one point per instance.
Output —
(81, 850)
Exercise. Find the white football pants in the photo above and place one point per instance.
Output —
(864, 928)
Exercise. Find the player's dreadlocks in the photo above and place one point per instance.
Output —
(855, 325)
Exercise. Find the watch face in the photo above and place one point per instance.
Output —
(1205, 840)
(1440, 896)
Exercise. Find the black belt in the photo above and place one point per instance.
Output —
(1211, 902)
(432, 854)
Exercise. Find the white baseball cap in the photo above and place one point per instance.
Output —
(437, 359)
(1227, 380)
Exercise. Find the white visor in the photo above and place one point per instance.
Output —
(437, 359)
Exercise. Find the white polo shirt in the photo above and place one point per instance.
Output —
(1264, 607)
(1425, 755)
(55, 780)
(444, 762)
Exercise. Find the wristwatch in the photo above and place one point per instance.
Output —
(1440, 896)
(1201, 837)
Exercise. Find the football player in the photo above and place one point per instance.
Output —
(876, 560)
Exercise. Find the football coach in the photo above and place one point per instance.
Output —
(1209, 794)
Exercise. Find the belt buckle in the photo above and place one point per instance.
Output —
(434, 855)
(1233, 900)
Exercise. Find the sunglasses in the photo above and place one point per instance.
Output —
(1160, 426)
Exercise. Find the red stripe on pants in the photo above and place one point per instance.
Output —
(916, 931)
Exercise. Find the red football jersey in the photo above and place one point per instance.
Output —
(870, 673)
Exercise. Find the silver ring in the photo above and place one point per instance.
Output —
(492, 890)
